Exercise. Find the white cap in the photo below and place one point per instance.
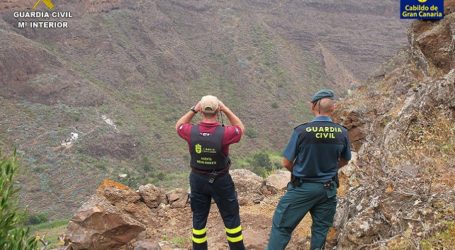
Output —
(209, 104)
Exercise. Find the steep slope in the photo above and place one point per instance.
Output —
(124, 71)
(402, 190)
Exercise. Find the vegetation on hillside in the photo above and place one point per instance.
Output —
(262, 163)
(13, 235)
(51, 232)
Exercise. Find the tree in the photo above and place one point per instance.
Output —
(261, 164)
(13, 235)
(262, 159)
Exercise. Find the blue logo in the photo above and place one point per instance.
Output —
(422, 9)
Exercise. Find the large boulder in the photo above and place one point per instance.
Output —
(248, 186)
(278, 181)
(246, 181)
(178, 198)
(100, 225)
(128, 200)
(117, 193)
(112, 217)
(152, 196)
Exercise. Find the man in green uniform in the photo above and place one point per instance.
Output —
(313, 155)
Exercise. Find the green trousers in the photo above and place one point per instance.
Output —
(310, 197)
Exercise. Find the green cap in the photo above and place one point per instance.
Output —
(323, 93)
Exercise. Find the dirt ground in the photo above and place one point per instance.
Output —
(256, 224)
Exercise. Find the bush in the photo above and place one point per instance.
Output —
(131, 180)
(261, 164)
(146, 165)
(262, 159)
(13, 235)
(37, 218)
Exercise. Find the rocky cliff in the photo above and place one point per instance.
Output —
(401, 189)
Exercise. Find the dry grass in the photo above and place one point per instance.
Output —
(441, 239)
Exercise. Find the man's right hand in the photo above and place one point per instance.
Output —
(233, 119)
(223, 107)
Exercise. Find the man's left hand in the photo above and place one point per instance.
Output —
(197, 107)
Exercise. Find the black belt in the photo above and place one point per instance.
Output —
(211, 174)
(297, 181)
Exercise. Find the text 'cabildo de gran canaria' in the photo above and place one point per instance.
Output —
(421, 11)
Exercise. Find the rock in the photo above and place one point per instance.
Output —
(356, 134)
(246, 181)
(278, 180)
(178, 198)
(352, 120)
(100, 225)
(126, 199)
(350, 168)
(435, 41)
(146, 245)
(116, 192)
(360, 230)
(248, 186)
(267, 191)
(257, 198)
(110, 219)
(152, 195)
(449, 6)
(243, 201)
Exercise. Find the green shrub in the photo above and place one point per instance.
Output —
(50, 232)
(13, 235)
(146, 164)
(440, 239)
(37, 218)
(131, 180)
(262, 159)
(261, 164)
